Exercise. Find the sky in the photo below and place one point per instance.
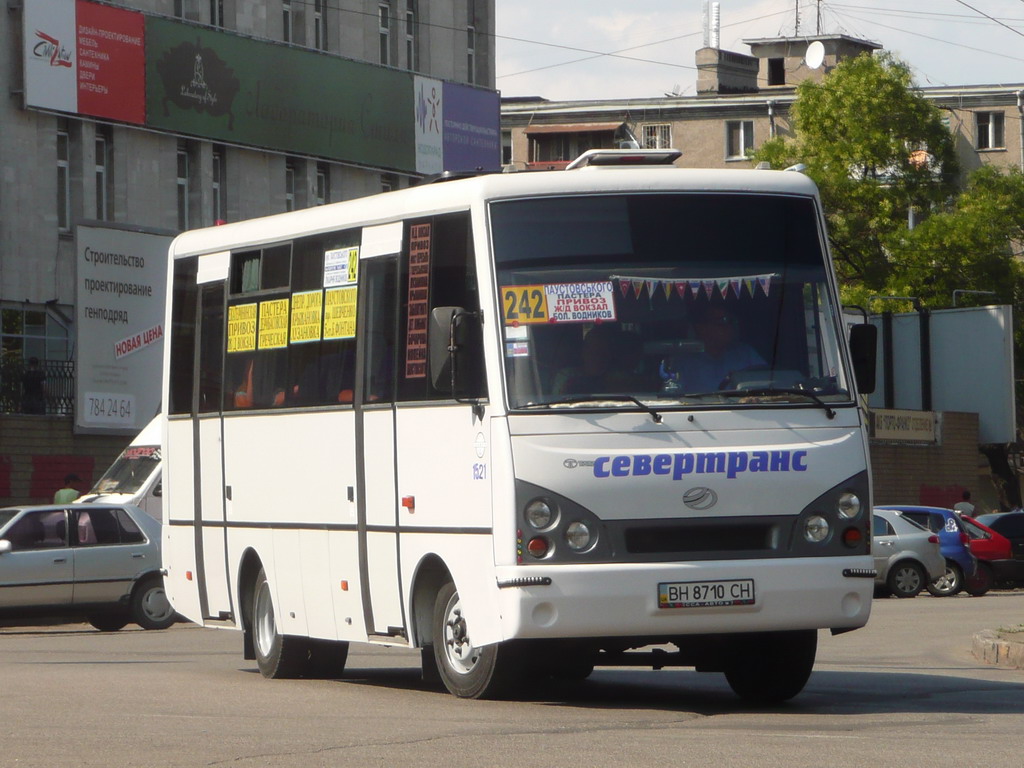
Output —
(558, 49)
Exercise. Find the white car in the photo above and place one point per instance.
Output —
(907, 555)
(99, 561)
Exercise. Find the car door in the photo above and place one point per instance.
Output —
(38, 571)
(883, 540)
(110, 550)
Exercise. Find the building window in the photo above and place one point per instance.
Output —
(739, 137)
(506, 147)
(219, 187)
(289, 185)
(319, 27)
(63, 180)
(388, 182)
(990, 130)
(776, 71)
(411, 48)
(323, 184)
(179, 9)
(656, 136)
(182, 181)
(286, 25)
(384, 28)
(470, 41)
(217, 13)
(104, 177)
(34, 331)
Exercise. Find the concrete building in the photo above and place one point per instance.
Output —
(155, 116)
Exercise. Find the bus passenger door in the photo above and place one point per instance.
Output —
(376, 488)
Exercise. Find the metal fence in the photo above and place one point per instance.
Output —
(59, 386)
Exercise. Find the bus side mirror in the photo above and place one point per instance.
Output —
(158, 489)
(863, 353)
(456, 348)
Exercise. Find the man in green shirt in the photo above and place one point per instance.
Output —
(67, 494)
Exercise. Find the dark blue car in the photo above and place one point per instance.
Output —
(954, 542)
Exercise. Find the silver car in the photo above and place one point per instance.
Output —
(907, 555)
(100, 561)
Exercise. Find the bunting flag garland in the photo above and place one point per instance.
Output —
(725, 286)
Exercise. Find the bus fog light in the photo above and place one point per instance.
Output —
(539, 514)
(848, 505)
(578, 536)
(538, 546)
(816, 529)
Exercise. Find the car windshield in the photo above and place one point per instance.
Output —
(131, 470)
(654, 300)
(6, 515)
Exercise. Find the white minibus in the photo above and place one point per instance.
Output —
(529, 423)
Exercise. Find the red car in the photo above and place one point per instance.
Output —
(996, 564)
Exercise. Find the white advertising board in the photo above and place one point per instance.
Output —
(121, 276)
(971, 366)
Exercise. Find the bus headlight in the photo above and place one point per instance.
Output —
(540, 514)
(578, 536)
(848, 505)
(816, 529)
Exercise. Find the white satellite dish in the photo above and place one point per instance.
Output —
(815, 55)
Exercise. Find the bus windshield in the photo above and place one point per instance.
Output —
(665, 299)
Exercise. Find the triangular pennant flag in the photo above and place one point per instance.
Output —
(638, 288)
(723, 288)
(624, 287)
(694, 288)
(749, 283)
(652, 286)
(735, 285)
(764, 281)
(667, 288)
(681, 289)
(709, 286)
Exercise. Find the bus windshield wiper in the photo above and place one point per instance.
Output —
(769, 391)
(581, 399)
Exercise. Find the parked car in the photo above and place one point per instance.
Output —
(954, 542)
(907, 556)
(98, 561)
(1008, 526)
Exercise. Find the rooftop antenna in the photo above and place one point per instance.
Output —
(716, 25)
(796, 30)
(705, 20)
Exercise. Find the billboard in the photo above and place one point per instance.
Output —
(120, 281)
(971, 368)
(90, 59)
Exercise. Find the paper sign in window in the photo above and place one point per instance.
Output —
(242, 328)
(307, 313)
(419, 302)
(273, 329)
(340, 313)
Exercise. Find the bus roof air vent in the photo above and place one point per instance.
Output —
(625, 157)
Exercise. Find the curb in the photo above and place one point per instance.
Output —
(987, 647)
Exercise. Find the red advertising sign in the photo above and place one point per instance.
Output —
(111, 62)
(419, 304)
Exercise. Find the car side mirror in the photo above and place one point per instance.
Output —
(5, 546)
(863, 354)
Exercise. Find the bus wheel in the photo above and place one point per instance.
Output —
(326, 658)
(771, 667)
(467, 670)
(278, 656)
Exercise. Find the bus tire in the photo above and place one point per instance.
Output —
(467, 671)
(326, 658)
(150, 606)
(278, 656)
(771, 667)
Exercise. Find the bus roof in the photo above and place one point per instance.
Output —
(464, 193)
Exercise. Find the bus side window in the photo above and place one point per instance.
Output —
(443, 244)
(183, 335)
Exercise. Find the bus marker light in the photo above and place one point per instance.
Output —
(409, 502)
(852, 537)
(344, 585)
(188, 575)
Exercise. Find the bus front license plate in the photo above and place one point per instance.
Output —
(705, 594)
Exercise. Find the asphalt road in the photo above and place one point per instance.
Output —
(904, 691)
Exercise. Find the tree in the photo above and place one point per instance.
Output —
(877, 150)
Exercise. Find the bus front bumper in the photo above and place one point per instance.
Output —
(625, 600)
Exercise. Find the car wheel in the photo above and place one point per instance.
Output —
(467, 670)
(278, 656)
(906, 579)
(150, 607)
(770, 667)
(981, 582)
(949, 583)
(108, 622)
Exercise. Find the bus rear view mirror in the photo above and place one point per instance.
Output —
(456, 353)
(442, 346)
(863, 351)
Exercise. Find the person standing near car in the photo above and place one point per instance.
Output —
(68, 493)
(964, 507)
